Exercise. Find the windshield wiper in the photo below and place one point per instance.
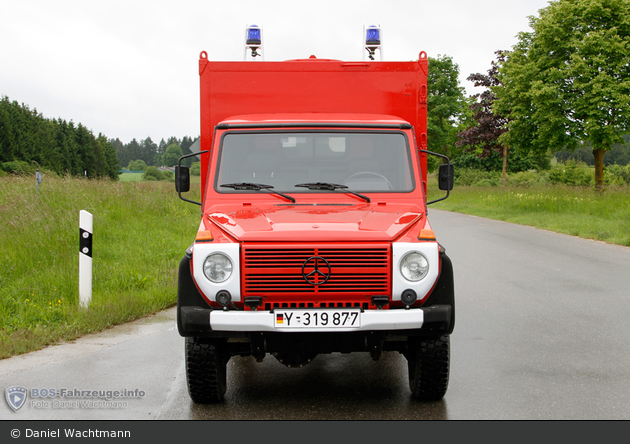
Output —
(257, 187)
(331, 187)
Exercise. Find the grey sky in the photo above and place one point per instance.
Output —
(128, 69)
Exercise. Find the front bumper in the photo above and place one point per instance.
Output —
(199, 321)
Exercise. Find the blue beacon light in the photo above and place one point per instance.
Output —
(253, 41)
(372, 40)
(253, 35)
(373, 36)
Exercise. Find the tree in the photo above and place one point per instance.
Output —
(132, 150)
(195, 169)
(488, 125)
(107, 158)
(447, 105)
(172, 155)
(137, 165)
(148, 151)
(85, 143)
(187, 142)
(568, 80)
(119, 149)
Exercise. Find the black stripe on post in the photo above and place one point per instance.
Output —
(85, 242)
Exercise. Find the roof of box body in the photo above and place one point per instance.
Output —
(314, 119)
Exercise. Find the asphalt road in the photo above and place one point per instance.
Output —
(541, 333)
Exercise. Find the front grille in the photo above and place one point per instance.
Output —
(355, 274)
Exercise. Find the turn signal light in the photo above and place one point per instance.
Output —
(426, 235)
(204, 236)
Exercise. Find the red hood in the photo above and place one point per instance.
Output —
(334, 222)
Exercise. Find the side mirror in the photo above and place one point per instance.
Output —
(182, 179)
(446, 176)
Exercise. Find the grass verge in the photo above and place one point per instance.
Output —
(141, 230)
(577, 211)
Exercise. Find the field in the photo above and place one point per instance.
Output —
(130, 177)
(141, 231)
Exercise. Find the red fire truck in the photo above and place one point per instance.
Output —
(314, 235)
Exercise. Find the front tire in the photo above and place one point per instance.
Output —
(428, 362)
(206, 369)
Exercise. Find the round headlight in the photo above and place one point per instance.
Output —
(217, 267)
(414, 266)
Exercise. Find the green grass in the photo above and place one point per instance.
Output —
(577, 211)
(130, 177)
(141, 230)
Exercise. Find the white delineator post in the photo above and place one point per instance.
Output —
(85, 258)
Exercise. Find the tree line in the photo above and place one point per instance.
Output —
(166, 153)
(30, 141)
(29, 138)
(563, 88)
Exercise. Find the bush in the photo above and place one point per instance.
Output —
(528, 178)
(572, 173)
(489, 182)
(494, 162)
(471, 177)
(617, 175)
(471, 161)
(195, 169)
(153, 173)
(137, 165)
(19, 167)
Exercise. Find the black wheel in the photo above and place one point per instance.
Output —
(206, 363)
(428, 362)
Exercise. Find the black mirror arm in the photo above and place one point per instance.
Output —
(179, 165)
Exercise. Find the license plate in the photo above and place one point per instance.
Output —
(322, 318)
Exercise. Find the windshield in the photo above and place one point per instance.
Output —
(361, 161)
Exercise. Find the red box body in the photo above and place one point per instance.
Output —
(312, 86)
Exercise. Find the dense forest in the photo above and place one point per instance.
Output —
(28, 138)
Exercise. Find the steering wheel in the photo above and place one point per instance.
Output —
(371, 173)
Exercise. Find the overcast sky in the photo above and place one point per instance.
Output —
(128, 69)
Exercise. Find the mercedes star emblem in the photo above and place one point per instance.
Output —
(316, 270)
